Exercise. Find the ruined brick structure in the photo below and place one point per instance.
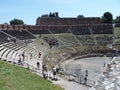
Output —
(18, 27)
(75, 25)
(45, 25)
(67, 21)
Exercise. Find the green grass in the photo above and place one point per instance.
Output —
(18, 78)
(117, 31)
(70, 40)
(117, 35)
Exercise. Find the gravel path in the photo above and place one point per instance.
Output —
(70, 85)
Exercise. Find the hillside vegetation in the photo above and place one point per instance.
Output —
(18, 78)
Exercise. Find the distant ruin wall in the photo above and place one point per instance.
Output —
(76, 29)
(18, 27)
(67, 21)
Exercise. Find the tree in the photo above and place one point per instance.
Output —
(107, 17)
(16, 22)
(80, 16)
(117, 20)
(53, 15)
(56, 14)
(50, 15)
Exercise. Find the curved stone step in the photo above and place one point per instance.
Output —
(4, 55)
(9, 55)
(14, 47)
(3, 51)
(1, 48)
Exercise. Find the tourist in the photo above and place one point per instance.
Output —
(19, 61)
(54, 73)
(85, 80)
(38, 65)
(103, 64)
(31, 55)
(43, 72)
(23, 55)
(44, 67)
(86, 72)
(8, 39)
(39, 55)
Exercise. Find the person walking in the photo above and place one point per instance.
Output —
(85, 80)
(38, 65)
(39, 55)
(54, 73)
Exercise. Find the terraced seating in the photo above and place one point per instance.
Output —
(3, 51)
(7, 48)
(3, 38)
(81, 30)
(68, 40)
(102, 29)
(104, 39)
(39, 31)
(11, 51)
(20, 34)
(86, 39)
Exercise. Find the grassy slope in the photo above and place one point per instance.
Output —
(69, 39)
(17, 78)
(117, 35)
(117, 31)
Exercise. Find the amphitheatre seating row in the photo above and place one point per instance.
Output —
(10, 53)
(39, 31)
(3, 37)
(96, 29)
(83, 29)
(68, 40)
(49, 31)
(102, 29)
(104, 39)
(86, 39)
(65, 40)
(95, 39)
(20, 34)
(80, 29)
(8, 48)
(20, 46)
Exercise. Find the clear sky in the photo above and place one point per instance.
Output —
(29, 10)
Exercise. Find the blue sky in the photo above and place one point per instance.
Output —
(29, 10)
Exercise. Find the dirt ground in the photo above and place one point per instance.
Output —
(95, 66)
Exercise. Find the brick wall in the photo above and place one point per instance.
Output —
(67, 21)
(76, 29)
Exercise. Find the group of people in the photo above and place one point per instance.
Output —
(86, 75)
(44, 67)
(51, 41)
(54, 70)
(21, 58)
(45, 72)
(31, 55)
